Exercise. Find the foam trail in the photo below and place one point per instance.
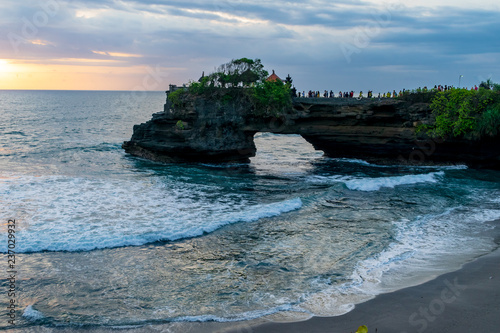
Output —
(424, 248)
(71, 214)
(375, 184)
(365, 163)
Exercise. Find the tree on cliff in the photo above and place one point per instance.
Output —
(238, 72)
(240, 79)
(272, 98)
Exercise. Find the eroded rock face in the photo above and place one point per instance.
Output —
(371, 129)
(210, 132)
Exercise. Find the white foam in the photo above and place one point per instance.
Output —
(357, 161)
(75, 214)
(31, 314)
(439, 167)
(495, 200)
(375, 184)
(426, 247)
(423, 249)
(249, 315)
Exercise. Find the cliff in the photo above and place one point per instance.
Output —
(219, 130)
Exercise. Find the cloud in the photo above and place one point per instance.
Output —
(303, 38)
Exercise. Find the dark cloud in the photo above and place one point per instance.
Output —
(299, 37)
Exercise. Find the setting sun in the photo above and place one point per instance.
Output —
(4, 65)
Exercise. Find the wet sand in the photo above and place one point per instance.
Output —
(467, 300)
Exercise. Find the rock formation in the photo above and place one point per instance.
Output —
(384, 131)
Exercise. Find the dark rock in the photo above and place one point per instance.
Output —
(371, 129)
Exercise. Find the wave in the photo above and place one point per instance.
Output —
(100, 147)
(375, 184)
(428, 246)
(15, 133)
(228, 165)
(36, 317)
(32, 315)
(405, 166)
(249, 315)
(423, 248)
(71, 214)
(357, 161)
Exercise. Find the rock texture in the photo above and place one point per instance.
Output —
(376, 130)
(210, 132)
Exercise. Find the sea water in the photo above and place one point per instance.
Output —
(107, 239)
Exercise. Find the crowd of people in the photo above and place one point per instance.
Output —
(351, 94)
(345, 94)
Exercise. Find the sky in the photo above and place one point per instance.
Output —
(333, 45)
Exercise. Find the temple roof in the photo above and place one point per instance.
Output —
(273, 77)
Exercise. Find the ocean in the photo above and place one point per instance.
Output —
(106, 239)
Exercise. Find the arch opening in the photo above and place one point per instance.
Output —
(283, 153)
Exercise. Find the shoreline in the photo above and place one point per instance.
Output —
(465, 300)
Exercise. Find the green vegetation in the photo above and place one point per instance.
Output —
(418, 95)
(362, 329)
(240, 72)
(466, 113)
(180, 125)
(240, 79)
(176, 97)
(271, 98)
(489, 123)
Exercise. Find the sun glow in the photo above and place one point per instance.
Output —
(4, 66)
(83, 74)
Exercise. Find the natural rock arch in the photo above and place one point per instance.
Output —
(372, 129)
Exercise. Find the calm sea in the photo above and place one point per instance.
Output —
(107, 239)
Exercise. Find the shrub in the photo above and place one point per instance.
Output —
(176, 97)
(489, 124)
(271, 98)
(465, 113)
(180, 125)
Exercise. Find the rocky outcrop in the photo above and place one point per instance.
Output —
(199, 131)
(384, 131)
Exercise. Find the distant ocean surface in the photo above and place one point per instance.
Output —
(107, 239)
